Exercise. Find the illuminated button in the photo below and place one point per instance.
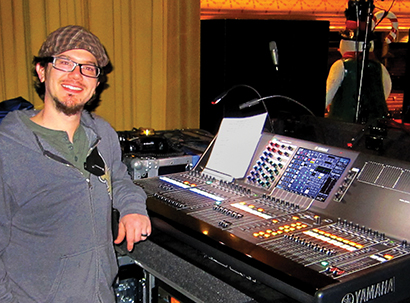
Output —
(256, 235)
(275, 221)
(388, 257)
(338, 272)
(377, 258)
(349, 248)
(295, 218)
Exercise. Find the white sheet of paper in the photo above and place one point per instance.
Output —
(235, 145)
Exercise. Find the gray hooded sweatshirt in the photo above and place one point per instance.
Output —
(56, 241)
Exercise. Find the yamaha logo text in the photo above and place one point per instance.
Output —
(371, 292)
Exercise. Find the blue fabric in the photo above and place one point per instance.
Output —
(10, 105)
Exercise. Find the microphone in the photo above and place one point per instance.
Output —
(250, 103)
(275, 55)
(254, 102)
(219, 97)
(223, 94)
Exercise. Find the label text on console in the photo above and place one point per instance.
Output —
(371, 292)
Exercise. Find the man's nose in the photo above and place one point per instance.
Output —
(76, 71)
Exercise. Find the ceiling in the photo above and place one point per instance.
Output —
(331, 10)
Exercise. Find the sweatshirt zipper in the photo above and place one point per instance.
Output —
(61, 160)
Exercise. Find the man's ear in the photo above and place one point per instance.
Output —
(41, 72)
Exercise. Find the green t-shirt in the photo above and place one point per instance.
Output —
(74, 152)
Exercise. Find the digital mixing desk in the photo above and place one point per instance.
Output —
(319, 223)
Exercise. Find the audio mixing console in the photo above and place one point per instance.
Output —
(333, 222)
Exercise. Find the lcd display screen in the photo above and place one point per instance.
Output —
(313, 173)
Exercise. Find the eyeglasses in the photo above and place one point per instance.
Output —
(67, 65)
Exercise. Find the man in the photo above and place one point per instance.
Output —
(61, 174)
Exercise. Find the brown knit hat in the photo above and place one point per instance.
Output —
(73, 37)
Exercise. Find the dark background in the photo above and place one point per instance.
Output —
(237, 52)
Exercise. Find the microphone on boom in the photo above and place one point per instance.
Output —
(224, 93)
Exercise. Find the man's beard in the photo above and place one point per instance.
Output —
(67, 110)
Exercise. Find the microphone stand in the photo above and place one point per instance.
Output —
(254, 102)
(226, 92)
(359, 117)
